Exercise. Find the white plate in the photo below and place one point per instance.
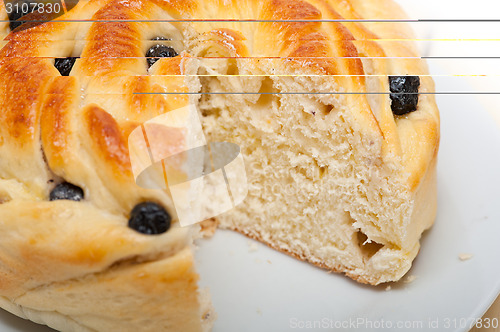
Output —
(265, 290)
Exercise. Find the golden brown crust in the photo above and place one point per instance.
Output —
(54, 121)
(108, 141)
(101, 57)
(331, 47)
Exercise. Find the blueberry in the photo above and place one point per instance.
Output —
(149, 218)
(159, 51)
(64, 65)
(66, 190)
(70, 4)
(37, 11)
(404, 94)
(16, 13)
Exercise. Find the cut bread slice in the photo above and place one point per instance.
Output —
(335, 178)
(322, 186)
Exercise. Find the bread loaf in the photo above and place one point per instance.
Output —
(334, 176)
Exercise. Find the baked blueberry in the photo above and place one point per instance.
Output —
(64, 65)
(159, 51)
(37, 12)
(70, 4)
(149, 218)
(16, 14)
(66, 190)
(404, 94)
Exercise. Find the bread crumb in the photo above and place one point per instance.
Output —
(208, 227)
(410, 279)
(252, 246)
(465, 257)
(259, 311)
(388, 288)
(269, 261)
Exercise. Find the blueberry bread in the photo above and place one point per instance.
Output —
(336, 125)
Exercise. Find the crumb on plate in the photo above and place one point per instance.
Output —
(465, 257)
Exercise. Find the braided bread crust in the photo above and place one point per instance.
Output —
(75, 266)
